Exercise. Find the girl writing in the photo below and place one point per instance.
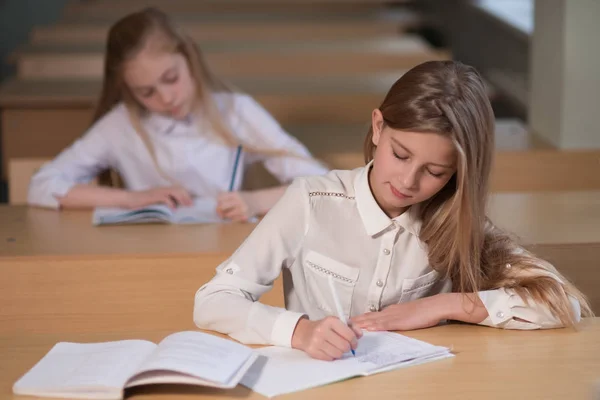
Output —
(405, 239)
(170, 129)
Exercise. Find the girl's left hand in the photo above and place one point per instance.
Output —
(417, 314)
(234, 206)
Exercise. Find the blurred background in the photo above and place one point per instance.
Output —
(320, 67)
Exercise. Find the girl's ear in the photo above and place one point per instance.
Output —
(377, 125)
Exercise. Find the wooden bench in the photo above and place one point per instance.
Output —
(248, 59)
(217, 27)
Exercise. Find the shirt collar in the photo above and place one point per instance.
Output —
(373, 217)
(165, 125)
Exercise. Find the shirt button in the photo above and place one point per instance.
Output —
(386, 251)
(229, 271)
(372, 308)
(379, 283)
(500, 314)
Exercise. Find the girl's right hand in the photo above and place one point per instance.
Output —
(172, 196)
(327, 339)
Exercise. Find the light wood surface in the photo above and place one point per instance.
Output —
(248, 59)
(107, 294)
(112, 9)
(489, 363)
(554, 218)
(218, 27)
(28, 231)
(549, 218)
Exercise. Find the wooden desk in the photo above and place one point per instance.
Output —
(333, 57)
(543, 219)
(489, 363)
(220, 26)
(36, 232)
(561, 227)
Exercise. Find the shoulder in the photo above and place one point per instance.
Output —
(117, 117)
(334, 184)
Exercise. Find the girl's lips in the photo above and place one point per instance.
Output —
(399, 194)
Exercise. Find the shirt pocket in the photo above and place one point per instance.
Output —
(415, 288)
(318, 268)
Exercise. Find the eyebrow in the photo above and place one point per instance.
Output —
(169, 70)
(411, 153)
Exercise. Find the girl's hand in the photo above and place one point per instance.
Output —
(327, 339)
(417, 314)
(236, 206)
(172, 196)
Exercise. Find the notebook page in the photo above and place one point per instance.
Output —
(204, 210)
(113, 215)
(382, 349)
(81, 367)
(283, 370)
(199, 354)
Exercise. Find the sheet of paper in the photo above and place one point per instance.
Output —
(112, 215)
(199, 354)
(282, 370)
(204, 210)
(71, 366)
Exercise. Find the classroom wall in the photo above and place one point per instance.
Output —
(17, 17)
(565, 88)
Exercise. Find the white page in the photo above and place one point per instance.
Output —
(113, 215)
(98, 368)
(198, 354)
(382, 349)
(204, 210)
(284, 370)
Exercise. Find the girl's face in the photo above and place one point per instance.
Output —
(161, 82)
(408, 167)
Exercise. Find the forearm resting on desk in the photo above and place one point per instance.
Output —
(87, 196)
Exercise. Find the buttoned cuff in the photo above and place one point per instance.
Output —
(283, 328)
(497, 305)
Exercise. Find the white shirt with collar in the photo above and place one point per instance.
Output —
(332, 226)
(190, 154)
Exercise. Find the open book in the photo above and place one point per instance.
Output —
(284, 370)
(104, 370)
(202, 211)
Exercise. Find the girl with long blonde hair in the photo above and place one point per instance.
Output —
(171, 131)
(405, 239)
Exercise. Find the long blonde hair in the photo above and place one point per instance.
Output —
(126, 38)
(449, 98)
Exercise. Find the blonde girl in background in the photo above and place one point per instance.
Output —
(170, 129)
(405, 239)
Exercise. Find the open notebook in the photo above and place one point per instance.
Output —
(202, 211)
(283, 370)
(104, 370)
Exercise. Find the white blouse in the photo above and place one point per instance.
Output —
(187, 151)
(332, 226)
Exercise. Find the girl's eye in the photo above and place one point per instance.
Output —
(172, 79)
(147, 93)
(435, 175)
(399, 157)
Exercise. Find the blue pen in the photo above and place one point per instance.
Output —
(338, 305)
(235, 167)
